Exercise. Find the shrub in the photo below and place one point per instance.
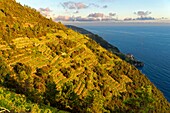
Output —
(4, 71)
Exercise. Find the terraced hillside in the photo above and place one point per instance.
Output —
(49, 66)
(107, 46)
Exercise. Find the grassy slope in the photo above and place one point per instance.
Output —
(18, 103)
(53, 65)
(95, 37)
(107, 46)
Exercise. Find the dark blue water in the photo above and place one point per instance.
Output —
(150, 44)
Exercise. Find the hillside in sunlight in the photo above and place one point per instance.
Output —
(47, 67)
(108, 46)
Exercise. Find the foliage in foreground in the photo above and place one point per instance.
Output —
(18, 103)
(46, 66)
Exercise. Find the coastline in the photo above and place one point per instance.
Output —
(126, 57)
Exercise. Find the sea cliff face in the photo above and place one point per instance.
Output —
(108, 46)
(47, 67)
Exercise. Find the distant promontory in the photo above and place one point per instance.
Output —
(127, 57)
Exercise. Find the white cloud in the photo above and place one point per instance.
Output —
(142, 13)
(45, 11)
(112, 14)
(105, 6)
(90, 17)
(74, 5)
(96, 15)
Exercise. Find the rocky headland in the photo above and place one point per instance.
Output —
(127, 57)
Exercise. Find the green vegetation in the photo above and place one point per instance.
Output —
(47, 67)
(143, 102)
(107, 46)
(13, 102)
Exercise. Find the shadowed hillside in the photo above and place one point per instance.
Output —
(47, 67)
(107, 46)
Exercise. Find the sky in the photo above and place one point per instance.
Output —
(100, 9)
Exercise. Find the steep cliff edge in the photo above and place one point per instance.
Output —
(108, 46)
(47, 67)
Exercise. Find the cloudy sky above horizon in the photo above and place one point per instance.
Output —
(100, 9)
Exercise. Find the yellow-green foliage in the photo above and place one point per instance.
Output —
(50, 64)
(10, 101)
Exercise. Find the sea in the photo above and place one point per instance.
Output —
(148, 43)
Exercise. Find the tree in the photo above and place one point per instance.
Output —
(4, 71)
(143, 103)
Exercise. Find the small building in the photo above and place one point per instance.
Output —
(130, 56)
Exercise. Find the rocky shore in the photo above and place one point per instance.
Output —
(127, 57)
